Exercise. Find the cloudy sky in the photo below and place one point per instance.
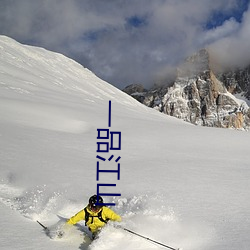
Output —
(131, 41)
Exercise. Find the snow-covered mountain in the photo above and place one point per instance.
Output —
(201, 95)
(182, 185)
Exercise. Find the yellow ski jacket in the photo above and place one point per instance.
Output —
(94, 223)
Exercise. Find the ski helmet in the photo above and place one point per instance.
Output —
(95, 199)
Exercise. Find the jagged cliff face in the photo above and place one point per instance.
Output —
(201, 97)
(237, 81)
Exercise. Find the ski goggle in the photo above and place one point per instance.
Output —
(94, 208)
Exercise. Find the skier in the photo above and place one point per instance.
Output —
(95, 216)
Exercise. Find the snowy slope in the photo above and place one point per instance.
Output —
(182, 185)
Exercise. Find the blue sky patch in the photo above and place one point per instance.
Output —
(136, 21)
(219, 17)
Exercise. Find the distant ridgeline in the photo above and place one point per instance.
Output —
(200, 95)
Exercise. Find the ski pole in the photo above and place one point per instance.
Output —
(45, 228)
(150, 239)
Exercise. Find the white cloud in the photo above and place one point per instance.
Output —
(228, 28)
(233, 50)
(97, 32)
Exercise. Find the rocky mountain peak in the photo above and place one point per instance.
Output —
(196, 64)
(200, 96)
